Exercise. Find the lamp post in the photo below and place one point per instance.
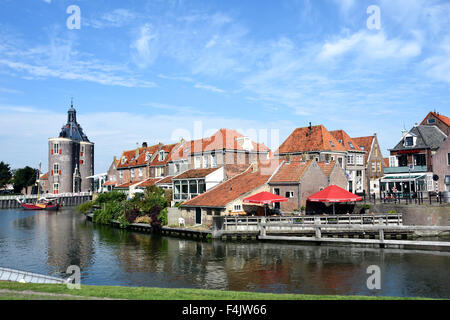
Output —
(409, 170)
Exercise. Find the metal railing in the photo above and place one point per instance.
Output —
(46, 195)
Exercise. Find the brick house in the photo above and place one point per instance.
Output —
(355, 164)
(410, 162)
(441, 166)
(438, 120)
(334, 173)
(374, 162)
(112, 175)
(44, 183)
(227, 197)
(297, 180)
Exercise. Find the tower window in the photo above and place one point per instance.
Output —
(56, 170)
(56, 148)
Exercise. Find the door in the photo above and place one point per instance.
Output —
(198, 216)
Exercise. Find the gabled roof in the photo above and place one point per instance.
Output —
(110, 183)
(168, 148)
(44, 176)
(224, 193)
(225, 139)
(304, 140)
(366, 143)
(195, 173)
(428, 137)
(127, 185)
(149, 182)
(441, 117)
(166, 180)
(291, 171)
(132, 161)
(342, 137)
(327, 168)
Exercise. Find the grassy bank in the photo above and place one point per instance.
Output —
(13, 290)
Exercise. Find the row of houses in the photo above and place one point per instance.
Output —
(211, 176)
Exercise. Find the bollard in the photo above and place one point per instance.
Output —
(318, 232)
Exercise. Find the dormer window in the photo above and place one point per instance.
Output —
(363, 148)
(409, 141)
(351, 145)
(161, 155)
(332, 144)
(124, 159)
(147, 156)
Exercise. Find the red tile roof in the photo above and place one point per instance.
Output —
(232, 170)
(441, 117)
(132, 161)
(301, 140)
(149, 182)
(224, 139)
(327, 168)
(166, 180)
(127, 184)
(342, 137)
(44, 176)
(224, 193)
(168, 149)
(110, 183)
(195, 173)
(291, 171)
(365, 142)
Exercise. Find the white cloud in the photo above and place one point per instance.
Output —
(116, 18)
(208, 87)
(438, 65)
(371, 46)
(145, 48)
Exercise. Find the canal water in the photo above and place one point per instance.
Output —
(49, 242)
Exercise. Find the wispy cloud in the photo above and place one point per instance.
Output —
(115, 18)
(208, 87)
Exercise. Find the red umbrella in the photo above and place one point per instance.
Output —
(265, 198)
(334, 194)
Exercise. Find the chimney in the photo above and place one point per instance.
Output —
(310, 129)
(254, 167)
(144, 145)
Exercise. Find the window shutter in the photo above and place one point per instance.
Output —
(60, 151)
(52, 172)
(81, 153)
(59, 171)
(52, 151)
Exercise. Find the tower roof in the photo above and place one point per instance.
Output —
(72, 129)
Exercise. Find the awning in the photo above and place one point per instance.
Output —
(265, 198)
(334, 194)
(401, 178)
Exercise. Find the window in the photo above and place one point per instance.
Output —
(124, 159)
(350, 159)
(403, 160)
(351, 145)
(379, 166)
(141, 172)
(161, 155)
(132, 173)
(420, 160)
(393, 161)
(121, 175)
(237, 208)
(56, 188)
(289, 194)
(363, 148)
(409, 141)
(177, 167)
(430, 121)
(205, 161)
(158, 171)
(359, 159)
(332, 144)
(276, 191)
(340, 162)
(82, 151)
(373, 166)
(213, 160)
(56, 148)
(448, 159)
(56, 169)
(197, 162)
(147, 156)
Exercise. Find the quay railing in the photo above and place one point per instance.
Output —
(249, 222)
(46, 195)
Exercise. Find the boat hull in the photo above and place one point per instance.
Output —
(30, 206)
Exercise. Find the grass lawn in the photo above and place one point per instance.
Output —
(14, 290)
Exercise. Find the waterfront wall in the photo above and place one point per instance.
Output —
(419, 215)
(68, 201)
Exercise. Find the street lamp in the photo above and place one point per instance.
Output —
(409, 170)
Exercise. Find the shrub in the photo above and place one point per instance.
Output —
(163, 217)
(178, 204)
(143, 219)
(303, 208)
(123, 222)
(392, 211)
(153, 213)
(366, 206)
(85, 207)
(109, 197)
(110, 211)
(132, 215)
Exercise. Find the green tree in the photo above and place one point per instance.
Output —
(5, 174)
(23, 178)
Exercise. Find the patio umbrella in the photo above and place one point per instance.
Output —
(264, 198)
(334, 194)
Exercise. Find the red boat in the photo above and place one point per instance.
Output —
(41, 205)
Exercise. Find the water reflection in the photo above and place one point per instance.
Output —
(49, 242)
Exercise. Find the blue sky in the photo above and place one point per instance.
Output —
(155, 70)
